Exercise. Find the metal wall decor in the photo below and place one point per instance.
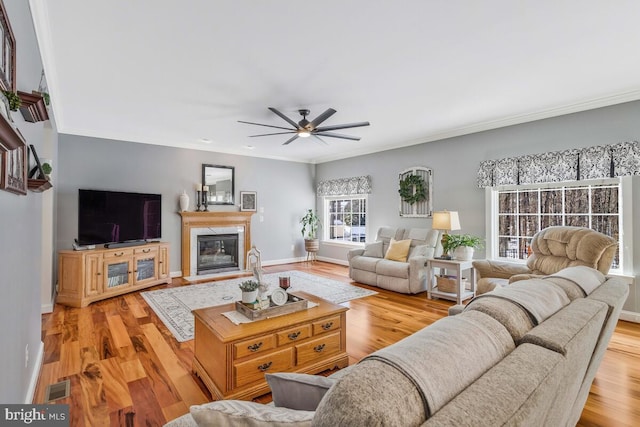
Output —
(415, 191)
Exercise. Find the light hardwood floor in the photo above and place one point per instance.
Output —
(126, 369)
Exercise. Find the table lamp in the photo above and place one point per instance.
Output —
(445, 221)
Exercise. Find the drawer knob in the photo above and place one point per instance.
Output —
(319, 348)
(265, 366)
(255, 347)
(119, 254)
(327, 326)
(294, 335)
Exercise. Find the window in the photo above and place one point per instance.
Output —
(520, 212)
(346, 218)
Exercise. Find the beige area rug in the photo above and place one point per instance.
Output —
(174, 305)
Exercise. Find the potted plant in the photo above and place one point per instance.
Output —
(249, 290)
(14, 100)
(310, 224)
(462, 245)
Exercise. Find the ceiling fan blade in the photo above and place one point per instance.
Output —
(322, 117)
(285, 118)
(337, 135)
(269, 126)
(276, 133)
(319, 139)
(345, 126)
(290, 140)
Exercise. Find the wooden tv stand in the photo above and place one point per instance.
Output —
(96, 274)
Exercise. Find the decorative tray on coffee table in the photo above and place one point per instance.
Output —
(292, 305)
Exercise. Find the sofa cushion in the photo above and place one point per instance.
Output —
(398, 250)
(373, 250)
(587, 278)
(510, 314)
(298, 391)
(238, 413)
(386, 267)
(518, 391)
(372, 394)
(538, 297)
(365, 263)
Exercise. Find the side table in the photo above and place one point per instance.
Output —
(461, 293)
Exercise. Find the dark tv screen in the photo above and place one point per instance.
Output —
(115, 217)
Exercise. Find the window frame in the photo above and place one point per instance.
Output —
(326, 215)
(624, 212)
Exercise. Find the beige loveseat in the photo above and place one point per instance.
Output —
(552, 249)
(523, 355)
(370, 267)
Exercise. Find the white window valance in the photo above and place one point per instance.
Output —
(604, 161)
(344, 186)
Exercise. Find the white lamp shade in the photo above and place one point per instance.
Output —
(446, 220)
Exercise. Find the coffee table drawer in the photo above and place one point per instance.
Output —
(254, 346)
(326, 325)
(318, 348)
(254, 369)
(294, 334)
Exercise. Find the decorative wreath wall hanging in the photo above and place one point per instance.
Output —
(407, 185)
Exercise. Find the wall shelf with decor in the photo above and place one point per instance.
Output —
(38, 185)
(10, 139)
(33, 107)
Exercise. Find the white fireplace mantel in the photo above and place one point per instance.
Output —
(200, 220)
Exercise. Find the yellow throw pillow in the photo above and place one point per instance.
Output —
(398, 250)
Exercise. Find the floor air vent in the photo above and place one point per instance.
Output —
(57, 391)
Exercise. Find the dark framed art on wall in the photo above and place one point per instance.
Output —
(248, 201)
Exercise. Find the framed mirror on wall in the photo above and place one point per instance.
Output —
(219, 181)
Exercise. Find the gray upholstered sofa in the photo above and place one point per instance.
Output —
(523, 355)
(370, 267)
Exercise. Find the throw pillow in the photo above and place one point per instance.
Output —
(398, 250)
(298, 391)
(239, 413)
(373, 250)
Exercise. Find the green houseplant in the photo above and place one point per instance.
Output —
(14, 100)
(310, 224)
(462, 245)
(249, 290)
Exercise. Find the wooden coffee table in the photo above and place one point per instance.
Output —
(232, 359)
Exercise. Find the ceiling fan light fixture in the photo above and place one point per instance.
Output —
(303, 133)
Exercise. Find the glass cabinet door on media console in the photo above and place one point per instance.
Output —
(146, 264)
(118, 267)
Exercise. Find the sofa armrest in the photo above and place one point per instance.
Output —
(499, 269)
(354, 252)
(417, 262)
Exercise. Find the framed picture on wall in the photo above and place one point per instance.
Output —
(13, 176)
(248, 201)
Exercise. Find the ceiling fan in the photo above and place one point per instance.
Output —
(305, 128)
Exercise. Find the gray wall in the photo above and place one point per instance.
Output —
(284, 189)
(21, 239)
(455, 162)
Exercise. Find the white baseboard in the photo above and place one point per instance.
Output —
(630, 316)
(283, 261)
(174, 274)
(35, 374)
(334, 261)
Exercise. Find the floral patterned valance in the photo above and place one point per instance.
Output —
(345, 186)
(603, 161)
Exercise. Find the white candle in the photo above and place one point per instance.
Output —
(205, 188)
(198, 187)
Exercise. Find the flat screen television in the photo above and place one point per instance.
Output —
(118, 217)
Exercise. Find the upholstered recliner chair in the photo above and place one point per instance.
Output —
(553, 249)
